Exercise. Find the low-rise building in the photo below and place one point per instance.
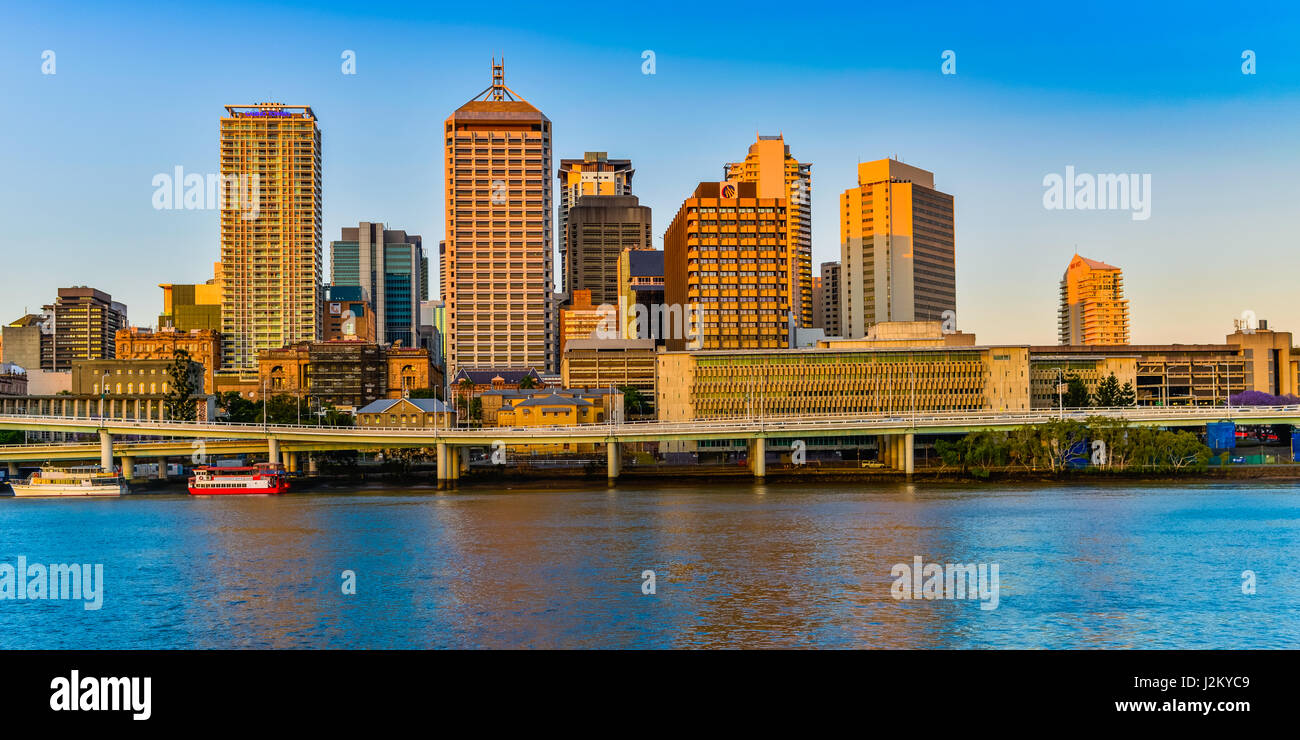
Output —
(13, 380)
(601, 363)
(421, 413)
(1162, 374)
(202, 345)
(737, 383)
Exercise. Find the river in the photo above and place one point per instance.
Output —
(1126, 565)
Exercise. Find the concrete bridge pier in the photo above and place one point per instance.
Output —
(757, 454)
(884, 454)
(443, 459)
(13, 470)
(613, 460)
(291, 461)
(272, 450)
(128, 467)
(162, 468)
(909, 453)
(105, 451)
(313, 466)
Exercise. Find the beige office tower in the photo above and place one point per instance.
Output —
(779, 175)
(497, 266)
(897, 253)
(270, 230)
(594, 174)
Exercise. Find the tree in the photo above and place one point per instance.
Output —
(427, 393)
(1108, 392)
(1127, 397)
(1076, 393)
(178, 404)
(527, 383)
(1062, 441)
(634, 400)
(10, 437)
(1113, 432)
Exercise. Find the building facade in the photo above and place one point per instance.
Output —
(346, 315)
(727, 266)
(594, 174)
(85, 323)
(641, 284)
(1093, 308)
(826, 309)
(742, 383)
(1162, 374)
(202, 345)
(193, 306)
(496, 264)
(390, 268)
(779, 175)
(600, 228)
(1270, 358)
(897, 248)
(270, 230)
(605, 363)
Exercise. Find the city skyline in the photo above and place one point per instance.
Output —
(1199, 120)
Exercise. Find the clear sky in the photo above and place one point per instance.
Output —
(1104, 87)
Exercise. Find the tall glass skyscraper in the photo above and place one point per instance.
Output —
(392, 271)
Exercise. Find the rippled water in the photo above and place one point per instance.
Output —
(736, 566)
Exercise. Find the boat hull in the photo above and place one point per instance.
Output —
(26, 490)
(269, 491)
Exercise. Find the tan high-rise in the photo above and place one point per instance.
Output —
(594, 174)
(1093, 308)
(270, 230)
(497, 268)
(897, 256)
(779, 175)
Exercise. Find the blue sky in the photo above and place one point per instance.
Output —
(1104, 87)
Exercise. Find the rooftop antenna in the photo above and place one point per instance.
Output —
(497, 91)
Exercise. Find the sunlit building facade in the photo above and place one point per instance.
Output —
(496, 262)
(270, 230)
(897, 249)
(1093, 308)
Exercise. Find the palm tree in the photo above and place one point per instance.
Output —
(527, 383)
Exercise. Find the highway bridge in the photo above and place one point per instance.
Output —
(896, 433)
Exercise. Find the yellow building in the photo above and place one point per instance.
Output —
(1048, 374)
(726, 255)
(552, 408)
(409, 413)
(897, 248)
(779, 175)
(902, 335)
(496, 259)
(739, 383)
(270, 230)
(581, 320)
(1271, 364)
(1093, 309)
(1162, 374)
(188, 307)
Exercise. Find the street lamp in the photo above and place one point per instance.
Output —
(1060, 391)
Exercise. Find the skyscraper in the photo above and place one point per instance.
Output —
(497, 265)
(390, 268)
(600, 227)
(85, 324)
(594, 174)
(1093, 308)
(827, 308)
(270, 230)
(727, 258)
(897, 252)
(779, 175)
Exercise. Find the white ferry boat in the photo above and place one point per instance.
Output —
(58, 482)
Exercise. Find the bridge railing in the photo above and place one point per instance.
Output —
(739, 424)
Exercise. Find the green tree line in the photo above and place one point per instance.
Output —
(1061, 443)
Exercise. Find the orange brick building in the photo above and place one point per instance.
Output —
(203, 346)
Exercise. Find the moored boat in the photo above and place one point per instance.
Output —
(51, 482)
(261, 479)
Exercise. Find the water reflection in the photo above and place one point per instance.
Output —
(770, 565)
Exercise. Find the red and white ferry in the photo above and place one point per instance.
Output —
(263, 479)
